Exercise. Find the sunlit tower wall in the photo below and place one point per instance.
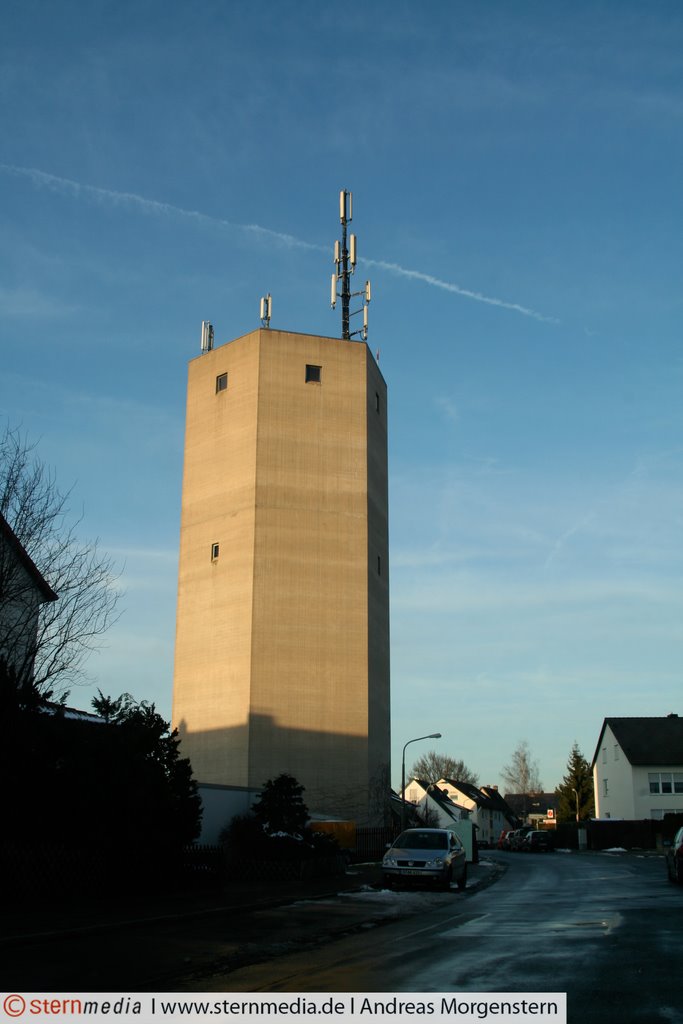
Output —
(282, 634)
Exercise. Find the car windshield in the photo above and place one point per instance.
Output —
(413, 839)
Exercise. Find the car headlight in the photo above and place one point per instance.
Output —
(435, 862)
(389, 862)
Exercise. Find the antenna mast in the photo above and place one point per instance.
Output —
(266, 308)
(345, 260)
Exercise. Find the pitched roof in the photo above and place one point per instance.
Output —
(48, 707)
(444, 801)
(473, 792)
(532, 803)
(647, 740)
(499, 803)
(22, 555)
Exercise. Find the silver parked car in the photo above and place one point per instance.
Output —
(674, 858)
(433, 855)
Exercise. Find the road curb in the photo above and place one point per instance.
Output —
(494, 872)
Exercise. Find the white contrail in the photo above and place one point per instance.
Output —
(66, 186)
(449, 286)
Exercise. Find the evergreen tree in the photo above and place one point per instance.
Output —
(280, 806)
(577, 783)
(152, 791)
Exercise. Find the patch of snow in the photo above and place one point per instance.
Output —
(378, 895)
(615, 849)
(562, 849)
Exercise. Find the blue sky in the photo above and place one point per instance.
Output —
(516, 171)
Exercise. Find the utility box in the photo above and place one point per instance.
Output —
(343, 831)
(465, 832)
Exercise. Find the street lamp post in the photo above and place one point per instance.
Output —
(576, 794)
(432, 736)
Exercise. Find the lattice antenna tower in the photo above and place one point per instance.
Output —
(345, 258)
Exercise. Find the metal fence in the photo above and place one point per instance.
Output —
(371, 843)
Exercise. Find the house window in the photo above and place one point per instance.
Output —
(377, 401)
(215, 552)
(313, 374)
(658, 812)
(605, 791)
(665, 782)
(616, 751)
(379, 565)
(604, 755)
(221, 382)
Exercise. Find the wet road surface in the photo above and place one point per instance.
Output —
(605, 928)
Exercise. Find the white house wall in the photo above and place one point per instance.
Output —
(490, 823)
(623, 791)
(613, 780)
(655, 805)
(18, 615)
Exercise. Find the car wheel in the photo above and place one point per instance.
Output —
(462, 881)
(446, 882)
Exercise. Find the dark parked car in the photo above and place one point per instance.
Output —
(516, 838)
(674, 858)
(537, 841)
(425, 855)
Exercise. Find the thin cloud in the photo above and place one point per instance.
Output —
(76, 189)
(22, 302)
(567, 535)
(448, 408)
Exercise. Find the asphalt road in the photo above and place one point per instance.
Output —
(605, 928)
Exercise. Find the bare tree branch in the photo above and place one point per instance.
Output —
(46, 661)
(521, 775)
(431, 767)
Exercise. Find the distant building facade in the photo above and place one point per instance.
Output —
(638, 768)
(282, 634)
(484, 805)
(537, 809)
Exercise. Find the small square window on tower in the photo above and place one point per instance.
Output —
(215, 552)
(313, 374)
(221, 382)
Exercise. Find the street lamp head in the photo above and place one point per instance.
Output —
(434, 736)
